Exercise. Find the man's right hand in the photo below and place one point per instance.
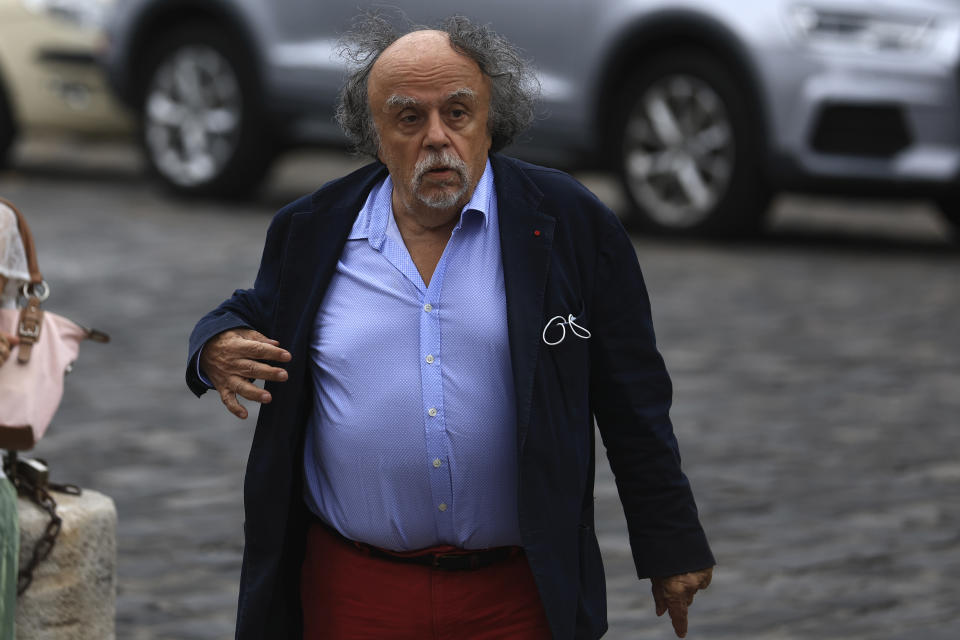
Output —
(232, 359)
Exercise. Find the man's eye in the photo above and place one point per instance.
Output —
(408, 119)
(458, 113)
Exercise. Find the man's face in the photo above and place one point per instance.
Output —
(430, 105)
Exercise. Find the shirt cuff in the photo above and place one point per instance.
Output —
(200, 374)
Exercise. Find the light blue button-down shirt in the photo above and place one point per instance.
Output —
(412, 442)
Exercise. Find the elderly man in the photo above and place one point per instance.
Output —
(437, 332)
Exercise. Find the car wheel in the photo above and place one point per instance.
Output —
(202, 123)
(8, 129)
(689, 148)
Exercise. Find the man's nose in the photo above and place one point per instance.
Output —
(436, 136)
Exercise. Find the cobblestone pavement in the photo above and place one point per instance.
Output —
(817, 376)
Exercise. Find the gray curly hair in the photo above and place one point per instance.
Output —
(514, 89)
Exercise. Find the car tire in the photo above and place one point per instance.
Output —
(202, 123)
(689, 148)
(950, 210)
(8, 129)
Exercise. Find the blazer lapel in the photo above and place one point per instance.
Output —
(526, 238)
(316, 240)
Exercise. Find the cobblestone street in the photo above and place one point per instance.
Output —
(817, 395)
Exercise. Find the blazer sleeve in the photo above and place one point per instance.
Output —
(631, 396)
(250, 308)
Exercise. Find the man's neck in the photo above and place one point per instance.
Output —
(425, 232)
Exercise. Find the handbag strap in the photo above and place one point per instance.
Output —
(31, 315)
(29, 247)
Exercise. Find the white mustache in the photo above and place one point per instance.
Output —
(439, 160)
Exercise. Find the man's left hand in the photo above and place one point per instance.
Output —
(675, 594)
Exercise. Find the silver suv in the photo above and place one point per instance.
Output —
(703, 107)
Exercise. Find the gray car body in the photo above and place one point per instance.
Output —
(583, 50)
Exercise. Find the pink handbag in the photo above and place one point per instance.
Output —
(31, 380)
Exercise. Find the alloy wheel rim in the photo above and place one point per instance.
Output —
(192, 115)
(678, 151)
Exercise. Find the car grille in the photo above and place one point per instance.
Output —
(876, 131)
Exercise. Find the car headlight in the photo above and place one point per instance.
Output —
(868, 31)
(84, 13)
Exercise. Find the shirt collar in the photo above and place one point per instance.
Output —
(376, 220)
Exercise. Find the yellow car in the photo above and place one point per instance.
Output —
(49, 79)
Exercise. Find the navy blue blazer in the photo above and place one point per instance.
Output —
(564, 253)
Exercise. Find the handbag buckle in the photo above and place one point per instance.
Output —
(27, 332)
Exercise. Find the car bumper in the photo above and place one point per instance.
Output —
(889, 120)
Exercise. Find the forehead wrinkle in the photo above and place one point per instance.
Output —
(425, 70)
(426, 62)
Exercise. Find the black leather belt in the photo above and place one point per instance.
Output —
(465, 560)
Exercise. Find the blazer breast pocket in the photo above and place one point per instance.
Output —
(568, 324)
(565, 345)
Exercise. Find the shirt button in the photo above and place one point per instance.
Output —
(443, 506)
(428, 307)
(429, 359)
(437, 463)
(432, 412)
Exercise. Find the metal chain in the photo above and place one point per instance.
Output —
(44, 545)
(36, 491)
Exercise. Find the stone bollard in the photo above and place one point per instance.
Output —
(73, 594)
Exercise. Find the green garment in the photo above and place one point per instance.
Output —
(9, 549)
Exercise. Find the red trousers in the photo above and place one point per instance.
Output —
(349, 595)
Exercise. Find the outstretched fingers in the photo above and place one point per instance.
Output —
(234, 359)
